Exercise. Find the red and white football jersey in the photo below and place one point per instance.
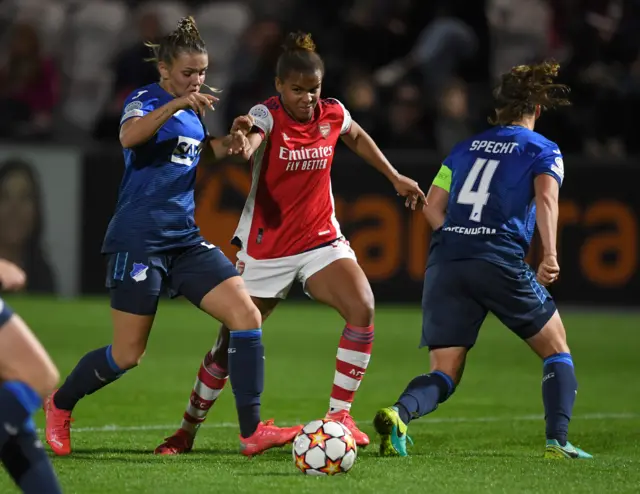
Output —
(290, 206)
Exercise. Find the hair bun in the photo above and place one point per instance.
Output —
(187, 26)
(299, 41)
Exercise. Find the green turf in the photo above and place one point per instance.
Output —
(487, 438)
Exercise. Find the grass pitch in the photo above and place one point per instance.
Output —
(489, 437)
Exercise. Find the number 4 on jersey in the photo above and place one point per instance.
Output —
(477, 198)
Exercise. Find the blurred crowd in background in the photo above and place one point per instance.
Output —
(416, 74)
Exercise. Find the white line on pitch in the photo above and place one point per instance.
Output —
(425, 422)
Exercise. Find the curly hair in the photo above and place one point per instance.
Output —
(523, 88)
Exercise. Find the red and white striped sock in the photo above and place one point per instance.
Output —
(209, 384)
(352, 360)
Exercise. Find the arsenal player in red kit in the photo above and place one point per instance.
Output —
(288, 230)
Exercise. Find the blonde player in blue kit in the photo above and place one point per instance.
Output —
(483, 206)
(153, 243)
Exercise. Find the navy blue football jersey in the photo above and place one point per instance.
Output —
(155, 208)
(491, 212)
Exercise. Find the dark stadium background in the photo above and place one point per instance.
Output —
(417, 75)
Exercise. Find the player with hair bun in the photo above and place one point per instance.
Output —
(288, 230)
(483, 206)
(153, 243)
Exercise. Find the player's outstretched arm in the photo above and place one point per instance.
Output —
(364, 146)
(547, 191)
(139, 130)
(233, 144)
(241, 142)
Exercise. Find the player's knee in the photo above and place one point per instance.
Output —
(551, 339)
(360, 310)
(448, 361)
(50, 379)
(243, 316)
(127, 358)
(43, 377)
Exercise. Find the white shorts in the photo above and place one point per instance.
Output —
(273, 278)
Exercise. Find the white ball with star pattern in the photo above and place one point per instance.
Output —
(324, 447)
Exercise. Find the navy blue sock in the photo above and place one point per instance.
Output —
(246, 373)
(28, 464)
(559, 388)
(94, 371)
(17, 403)
(423, 395)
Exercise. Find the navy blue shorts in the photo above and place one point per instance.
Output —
(136, 280)
(457, 296)
(5, 313)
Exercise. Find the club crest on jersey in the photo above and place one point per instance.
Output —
(240, 265)
(325, 129)
(139, 272)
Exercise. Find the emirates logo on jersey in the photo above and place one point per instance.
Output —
(306, 159)
(325, 129)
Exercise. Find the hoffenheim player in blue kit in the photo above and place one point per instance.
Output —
(483, 206)
(153, 242)
(27, 375)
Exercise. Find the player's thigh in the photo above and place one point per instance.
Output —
(551, 339)
(22, 356)
(135, 281)
(230, 303)
(268, 278)
(514, 295)
(332, 275)
(450, 316)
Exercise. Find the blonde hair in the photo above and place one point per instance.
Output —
(185, 38)
(523, 88)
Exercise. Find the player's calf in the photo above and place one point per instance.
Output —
(559, 388)
(28, 464)
(19, 402)
(210, 382)
(352, 360)
(423, 395)
(559, 383)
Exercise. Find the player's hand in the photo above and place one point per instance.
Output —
(549, 270)
(237, 143)
(243, 123)
(409, 189)
(11, 276)
(198, 102)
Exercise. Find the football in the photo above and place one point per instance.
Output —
(324, 447)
